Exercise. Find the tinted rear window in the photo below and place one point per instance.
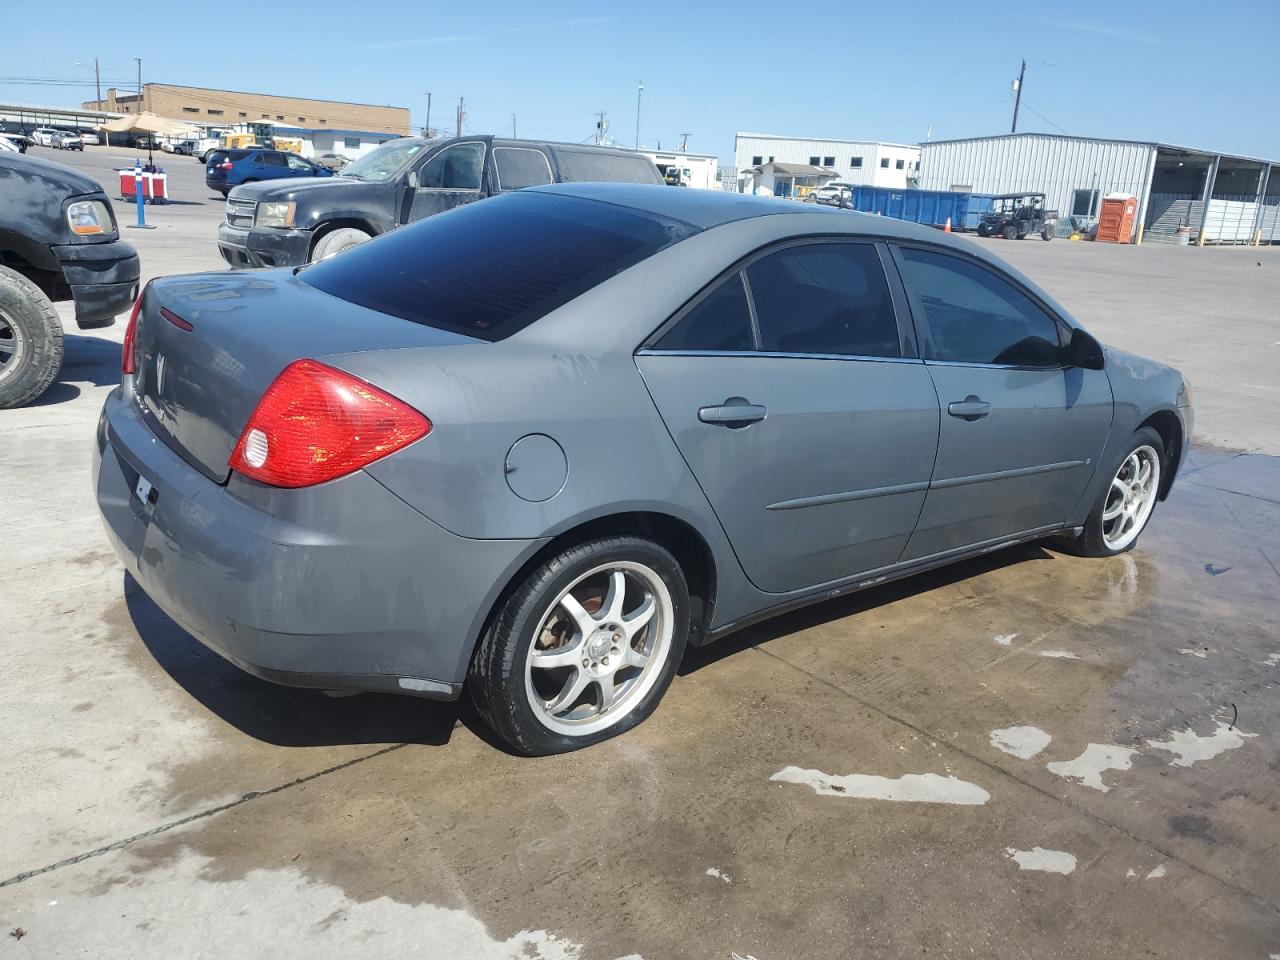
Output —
(491, 268)
(591, 165)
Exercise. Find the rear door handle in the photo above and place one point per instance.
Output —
(970, 408)
(734, 412)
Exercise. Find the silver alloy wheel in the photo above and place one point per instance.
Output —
(1131, 498)
(12, 347)
(599, 648)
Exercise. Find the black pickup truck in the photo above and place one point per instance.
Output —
(58, 241)
(289, 223)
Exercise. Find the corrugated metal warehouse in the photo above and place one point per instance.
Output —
(1184, 194)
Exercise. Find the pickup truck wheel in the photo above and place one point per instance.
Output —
(30, 340)
(336, 241)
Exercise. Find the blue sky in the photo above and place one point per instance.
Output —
(1191, 73)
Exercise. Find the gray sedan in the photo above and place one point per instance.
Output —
(534, 447)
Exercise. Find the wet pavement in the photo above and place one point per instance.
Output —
(1031, 755)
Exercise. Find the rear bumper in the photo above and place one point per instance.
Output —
(268, 247)
(340, 586)
(103, 278)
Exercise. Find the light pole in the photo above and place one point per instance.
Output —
(639, 94)
(427, 130)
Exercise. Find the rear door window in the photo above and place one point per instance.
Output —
(719, 321)
(520, 167)
(488, 270)
(271, 159)
(824, 298)
(975, 316)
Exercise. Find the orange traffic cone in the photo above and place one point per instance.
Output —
(947, 228)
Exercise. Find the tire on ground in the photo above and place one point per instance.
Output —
(25, 309)
(336, 241)
(1090, 542)
(1010, 232)
(496, 679)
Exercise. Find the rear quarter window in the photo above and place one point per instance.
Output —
(590, 165)
(489, 269)
(520, 167)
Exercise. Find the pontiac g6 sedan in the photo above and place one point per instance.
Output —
(533, 447)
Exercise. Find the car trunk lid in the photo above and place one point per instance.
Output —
(209, 345)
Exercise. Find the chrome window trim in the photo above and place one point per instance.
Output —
(653, 352)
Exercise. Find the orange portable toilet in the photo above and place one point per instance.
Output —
(1115, 222)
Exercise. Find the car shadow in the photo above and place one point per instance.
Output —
(284, 716)
(695, 658)
(84, 358)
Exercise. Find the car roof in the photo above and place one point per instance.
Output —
(712, 208)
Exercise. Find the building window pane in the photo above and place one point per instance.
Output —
(243, 114)
(1084, 203)
(824, 298)
(828, 161)
(855, 162)
(190, 109)
(899, 165)
(813, 161)
(757, 160)
(215, 113)
(351, 143)
(884, 162)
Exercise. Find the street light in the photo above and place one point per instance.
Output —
(639, 94)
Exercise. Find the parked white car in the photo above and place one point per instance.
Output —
(44, 136)
(90, 138)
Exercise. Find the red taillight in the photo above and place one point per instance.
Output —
(316, 423)
(225, 165)
(127, 362)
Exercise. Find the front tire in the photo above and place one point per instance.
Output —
(1010, 232)
(334, 242)
(30, 340)
(1046, 234)
(584, 648)
(1125, 505)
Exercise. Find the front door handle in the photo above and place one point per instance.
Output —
(733, 413)
(970, 408)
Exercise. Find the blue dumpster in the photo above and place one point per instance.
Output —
(930, 207)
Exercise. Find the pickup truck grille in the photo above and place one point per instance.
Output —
(240, 212)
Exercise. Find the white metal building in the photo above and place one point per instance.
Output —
(696, 169)
(854, 161)
(1203, 195)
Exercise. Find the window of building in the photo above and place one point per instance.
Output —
(243, 114)
(899, 165)
(771, 158)
(302, 119)
(351, 143)
(719, 321)
(976, 317)
(214, 113)
(279, 116)
(266, 117)
(824, 298)
(828, 161)
(757, 160)
(322, 120)
(855, 162)
(884, 162)
(190, 109)
(1084, 203)
(813, 161)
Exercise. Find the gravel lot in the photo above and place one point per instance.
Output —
(1099, 737)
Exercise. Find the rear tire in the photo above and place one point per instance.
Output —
(30, 340)
(1107, 536)
(983, 231)
(1010, 232)
(1046, 234)
(569, 659)
(334, 242)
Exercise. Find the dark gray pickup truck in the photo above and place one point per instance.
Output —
(289, 223)
(58, 241)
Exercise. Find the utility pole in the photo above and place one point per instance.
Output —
(427, 130)
(461, 114)
(139, 61)
(97, 81)
(639, 94)
(1017, 102)
(513, 127)
(684, 142)
(601, 127)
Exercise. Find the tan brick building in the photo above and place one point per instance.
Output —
(204, 105)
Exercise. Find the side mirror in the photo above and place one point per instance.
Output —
(1084, 351)
(412, 179)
